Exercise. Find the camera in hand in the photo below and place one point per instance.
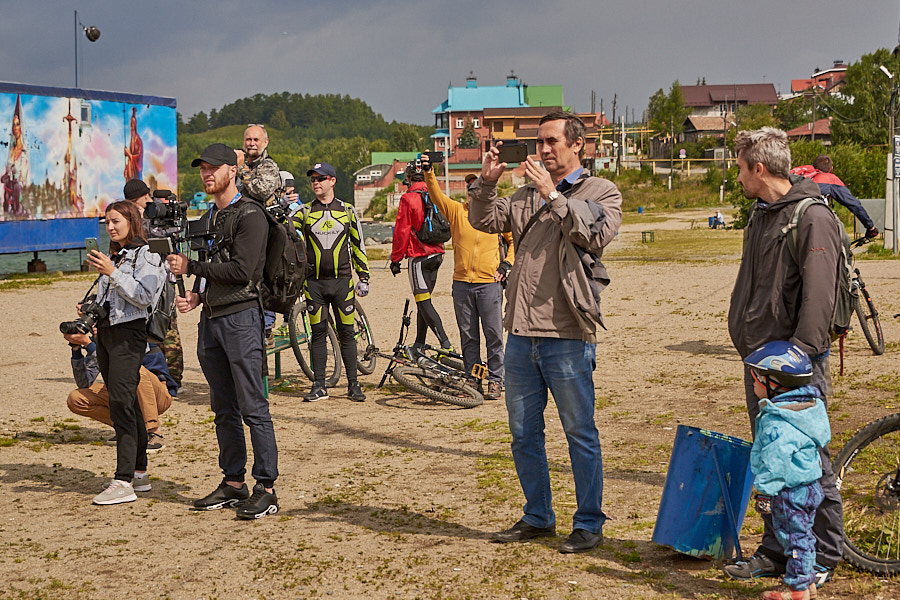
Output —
(513, 152)
(166, 211)
(91, 312)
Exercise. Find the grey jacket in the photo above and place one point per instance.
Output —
(133, 286)
(775, 298)
(260, 178)
(537, 303)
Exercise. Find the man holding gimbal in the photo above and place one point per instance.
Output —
(230, 338)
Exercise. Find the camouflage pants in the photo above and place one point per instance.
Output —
(171, 348)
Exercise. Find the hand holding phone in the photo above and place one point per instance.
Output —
(513, 152)
(91, 244)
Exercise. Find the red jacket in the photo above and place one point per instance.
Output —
(410, 215)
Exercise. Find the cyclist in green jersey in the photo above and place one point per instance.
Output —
(335, 243)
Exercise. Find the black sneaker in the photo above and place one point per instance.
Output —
(154, 443)
(356, 393)
(756, 566)
(224, 495)
(318, 392)
(260, 504)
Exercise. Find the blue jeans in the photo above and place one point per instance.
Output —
(565, 367)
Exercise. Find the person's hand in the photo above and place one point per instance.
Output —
(426, 162)
(188, 303)
(540, 176)
(178, 264)
(491, 167)
(101, 262)
(77, 339)
(240, 158)
(871, 232)
(362, 288)
(502, 271)
(395, 268)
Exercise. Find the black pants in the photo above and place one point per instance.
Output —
(338, 294)
(423, 274)
(120, 350)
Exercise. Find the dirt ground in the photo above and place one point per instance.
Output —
(397, 497)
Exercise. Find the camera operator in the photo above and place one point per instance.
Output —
(230, 337)
(129, 283)
(137, 191)
(155, 392)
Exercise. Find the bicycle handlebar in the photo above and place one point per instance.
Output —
(860, 242)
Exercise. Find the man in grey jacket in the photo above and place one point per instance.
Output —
(778, 298)
(551, 342)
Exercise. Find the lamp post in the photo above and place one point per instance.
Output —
(894, 159)
(91, 33)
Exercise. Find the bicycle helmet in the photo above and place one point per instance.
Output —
(781, 363)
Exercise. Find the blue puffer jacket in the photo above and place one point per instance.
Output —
(790, 429)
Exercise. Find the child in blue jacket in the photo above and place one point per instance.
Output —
(791, 427)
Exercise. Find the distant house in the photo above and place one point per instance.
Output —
(387, 169)
(721, 100)
(826, 81)
(820, 131)
(698, 127)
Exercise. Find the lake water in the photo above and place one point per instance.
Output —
(70, 260)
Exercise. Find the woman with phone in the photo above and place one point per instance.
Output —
(131, 278)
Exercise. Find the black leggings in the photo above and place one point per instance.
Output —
(339, 295)
(120, 350)
(423, 272)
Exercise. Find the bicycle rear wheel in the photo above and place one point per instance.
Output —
(869, 323)
(301, 343)
(866, 474)
(442, 389)
(365, 342)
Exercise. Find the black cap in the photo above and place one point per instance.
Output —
(135, 188)
(215, 155)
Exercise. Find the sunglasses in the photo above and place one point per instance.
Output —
(256, 125)
(319, 178)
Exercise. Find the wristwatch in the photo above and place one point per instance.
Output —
(553, 195)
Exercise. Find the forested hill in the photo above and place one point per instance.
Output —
(303, 130)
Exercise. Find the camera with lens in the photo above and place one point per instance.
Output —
(91, 312)
(166, 211)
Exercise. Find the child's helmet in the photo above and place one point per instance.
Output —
(781, 362)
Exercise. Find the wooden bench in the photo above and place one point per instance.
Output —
(647, 237)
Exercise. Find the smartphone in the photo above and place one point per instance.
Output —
(435, 157)
(91, 244)
(513, 152)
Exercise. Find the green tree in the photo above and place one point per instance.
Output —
(794, 112)
(861, 112)
(667, 112)
(407, 137)
(751, 116)
(469, 137)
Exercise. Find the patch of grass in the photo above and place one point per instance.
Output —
(6, 442)
(679, 246)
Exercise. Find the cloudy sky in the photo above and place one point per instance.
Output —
(399, 56)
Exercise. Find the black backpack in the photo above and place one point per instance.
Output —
(435, 228)
(286, 260)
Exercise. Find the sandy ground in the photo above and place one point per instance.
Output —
(397, 497)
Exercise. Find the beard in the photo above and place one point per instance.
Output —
(216, 185)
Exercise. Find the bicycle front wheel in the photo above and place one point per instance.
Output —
(435, 387)
(866, 474)
(870, 325)
(365, 342)
(301, 343)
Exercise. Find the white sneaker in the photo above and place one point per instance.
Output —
(118, 492)
(141, 483)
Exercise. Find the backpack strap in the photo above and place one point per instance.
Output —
(790, 230)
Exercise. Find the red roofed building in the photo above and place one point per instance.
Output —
(826, 81)
(820, 131)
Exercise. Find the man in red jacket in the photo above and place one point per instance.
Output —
(424, 259)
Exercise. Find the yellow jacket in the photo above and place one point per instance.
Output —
(476, 254)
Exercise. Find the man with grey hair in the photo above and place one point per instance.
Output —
(778, 297)
(258, 175)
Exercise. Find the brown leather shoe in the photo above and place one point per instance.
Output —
(521, 532)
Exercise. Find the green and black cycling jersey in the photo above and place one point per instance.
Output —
(334, 240)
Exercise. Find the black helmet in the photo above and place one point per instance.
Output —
(414, 171)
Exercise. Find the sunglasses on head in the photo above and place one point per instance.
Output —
(256, 125)
(319, 178)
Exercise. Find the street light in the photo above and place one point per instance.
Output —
(91, 33)
(893, 165)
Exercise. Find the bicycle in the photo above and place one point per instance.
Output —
(300, 333)
(427, 375)
(867, 314)
(867, 474)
